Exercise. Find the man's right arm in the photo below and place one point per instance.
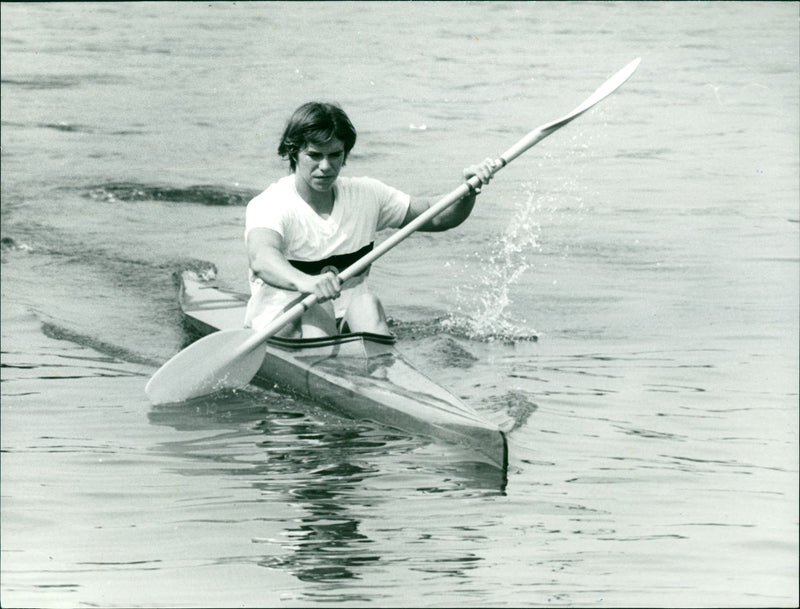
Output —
(267, 262)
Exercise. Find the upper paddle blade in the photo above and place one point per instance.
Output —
(206, 366)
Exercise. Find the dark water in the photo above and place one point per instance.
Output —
(625, 295)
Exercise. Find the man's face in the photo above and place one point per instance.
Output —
(318, 165)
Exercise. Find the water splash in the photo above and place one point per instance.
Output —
(482, 314)
(7, 244)
(200, 270)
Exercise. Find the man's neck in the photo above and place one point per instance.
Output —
(320, 201)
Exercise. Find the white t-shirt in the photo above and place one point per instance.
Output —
(362, 207)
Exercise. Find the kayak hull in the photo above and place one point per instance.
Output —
(361, 376)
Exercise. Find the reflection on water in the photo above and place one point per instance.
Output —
(314, 461)
(327, 543)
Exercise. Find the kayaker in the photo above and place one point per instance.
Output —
(309, 226)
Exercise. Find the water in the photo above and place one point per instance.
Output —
(625, 295)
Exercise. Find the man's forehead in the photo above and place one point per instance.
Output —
(332, 145)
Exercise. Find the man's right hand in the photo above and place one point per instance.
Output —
(325, 286)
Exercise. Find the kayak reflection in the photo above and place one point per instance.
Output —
(321, 470)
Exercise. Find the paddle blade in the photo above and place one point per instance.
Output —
(211, 364)
(541, 132)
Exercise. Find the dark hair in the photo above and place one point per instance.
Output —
(316, 123)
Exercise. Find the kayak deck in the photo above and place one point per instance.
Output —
(360, 376)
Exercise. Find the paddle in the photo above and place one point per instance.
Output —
(230, 358)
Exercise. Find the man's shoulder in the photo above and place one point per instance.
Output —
(361, 184)
(273, 192)
(357, 180)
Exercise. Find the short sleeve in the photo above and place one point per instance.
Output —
(392, 204)
(264, 211)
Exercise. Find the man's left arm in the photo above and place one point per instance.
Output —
(459, 211)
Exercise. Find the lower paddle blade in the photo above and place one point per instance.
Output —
(206, 366)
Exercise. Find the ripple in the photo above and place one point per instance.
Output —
(202, 194)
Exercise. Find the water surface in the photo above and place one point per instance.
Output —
(625, 294)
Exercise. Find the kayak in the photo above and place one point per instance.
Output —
(361, 376)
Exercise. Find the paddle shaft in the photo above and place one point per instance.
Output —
(471, 185)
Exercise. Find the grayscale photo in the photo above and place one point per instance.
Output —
(399, 304)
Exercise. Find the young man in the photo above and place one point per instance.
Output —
(310, 225)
